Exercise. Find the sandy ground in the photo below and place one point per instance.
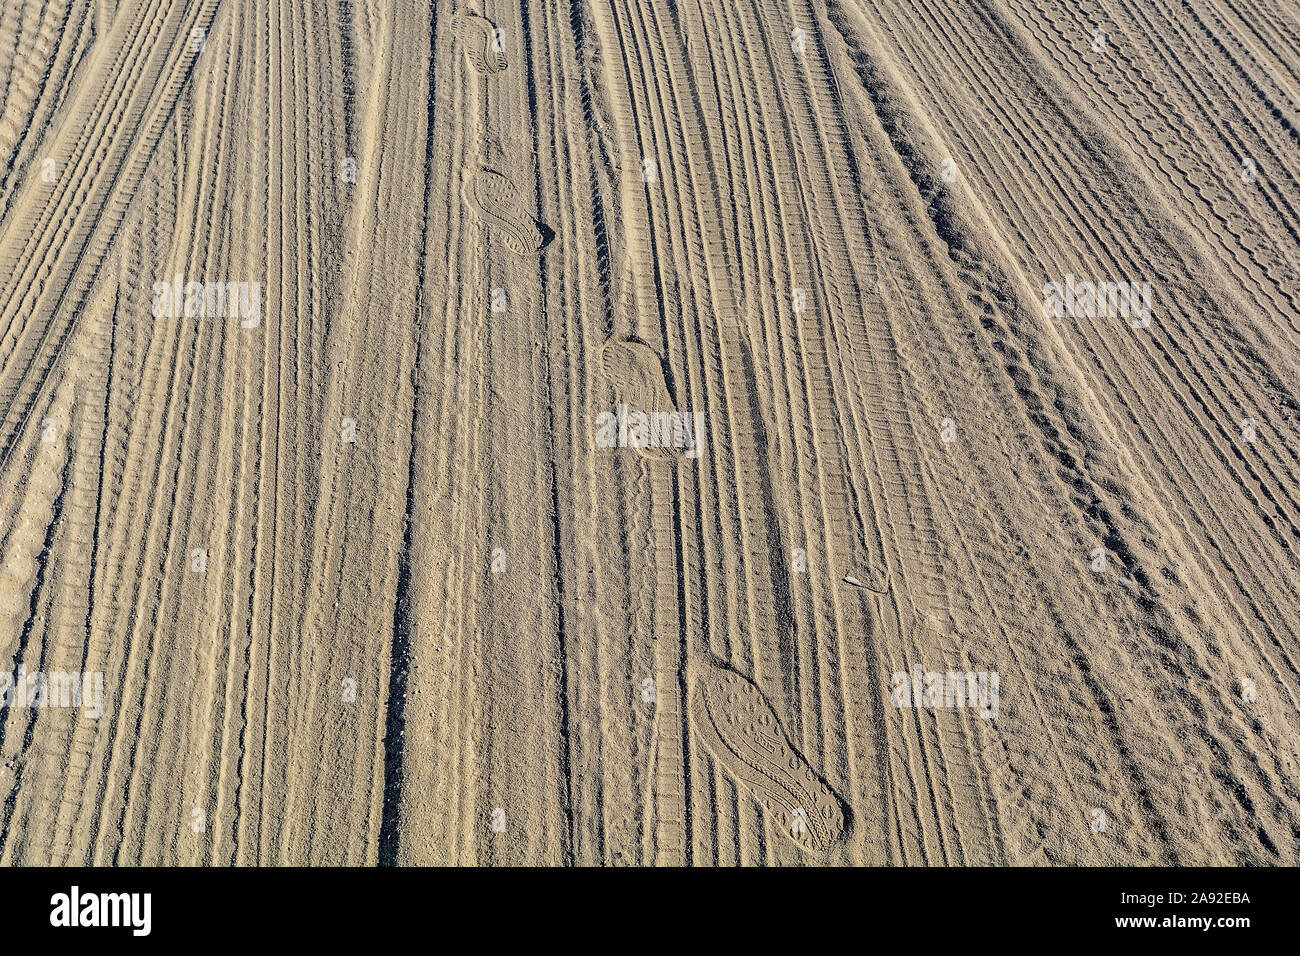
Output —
(636, 431)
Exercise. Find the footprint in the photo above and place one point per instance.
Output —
(636, 373)
(740, 729)
(497, 200)
(479, 38)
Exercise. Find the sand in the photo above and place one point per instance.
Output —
(791, 432)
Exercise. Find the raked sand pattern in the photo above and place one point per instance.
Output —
(983, 316)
